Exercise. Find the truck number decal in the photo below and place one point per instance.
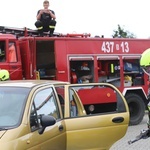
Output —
(125, 47)
(111, 47)
(107, 47)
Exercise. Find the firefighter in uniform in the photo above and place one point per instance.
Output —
(45, 20)
(145, 64)
(4, 75)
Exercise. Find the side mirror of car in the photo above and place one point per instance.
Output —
(46, 120)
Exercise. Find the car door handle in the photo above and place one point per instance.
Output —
(118, 119)
(61, 127)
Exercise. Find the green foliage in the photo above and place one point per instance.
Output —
(121, 33)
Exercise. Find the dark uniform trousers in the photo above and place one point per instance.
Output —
(45, 26)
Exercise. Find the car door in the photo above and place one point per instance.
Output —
(45, 102)
(95, 130)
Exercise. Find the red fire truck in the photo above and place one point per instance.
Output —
(79, 58)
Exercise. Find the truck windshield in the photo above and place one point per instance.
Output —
(12, 103)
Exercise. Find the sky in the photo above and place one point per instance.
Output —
(97, 17)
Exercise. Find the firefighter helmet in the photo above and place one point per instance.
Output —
(145, 61)
(4, 75)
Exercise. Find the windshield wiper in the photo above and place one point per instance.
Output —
(3, 128)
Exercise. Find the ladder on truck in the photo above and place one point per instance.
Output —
(19, 32)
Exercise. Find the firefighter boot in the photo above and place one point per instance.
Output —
(51, 32)
(40, 32)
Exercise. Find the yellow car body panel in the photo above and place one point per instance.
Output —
(98, 132)
(81, 132)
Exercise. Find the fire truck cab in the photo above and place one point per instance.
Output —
(79, 58)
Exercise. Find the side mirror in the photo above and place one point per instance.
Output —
(46, 120)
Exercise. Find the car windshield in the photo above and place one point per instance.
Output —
(12, 102)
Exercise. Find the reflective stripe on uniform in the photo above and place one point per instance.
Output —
(40, 28)
(52, 27)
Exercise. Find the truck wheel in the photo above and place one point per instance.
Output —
(136, 108)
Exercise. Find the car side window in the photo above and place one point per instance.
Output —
(99, 99)
(44, 104)
(60, 93)
(73, 105)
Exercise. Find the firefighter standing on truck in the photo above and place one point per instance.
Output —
(45, 20)
(145, 64)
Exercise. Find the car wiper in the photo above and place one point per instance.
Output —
(3, 129)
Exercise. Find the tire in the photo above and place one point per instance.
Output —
(136, 108)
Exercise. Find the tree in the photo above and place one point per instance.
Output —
(120, 33)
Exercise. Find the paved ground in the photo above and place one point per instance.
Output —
(132, 132)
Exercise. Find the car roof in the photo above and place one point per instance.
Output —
(30, 83)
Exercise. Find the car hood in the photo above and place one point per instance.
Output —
(2, 133)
